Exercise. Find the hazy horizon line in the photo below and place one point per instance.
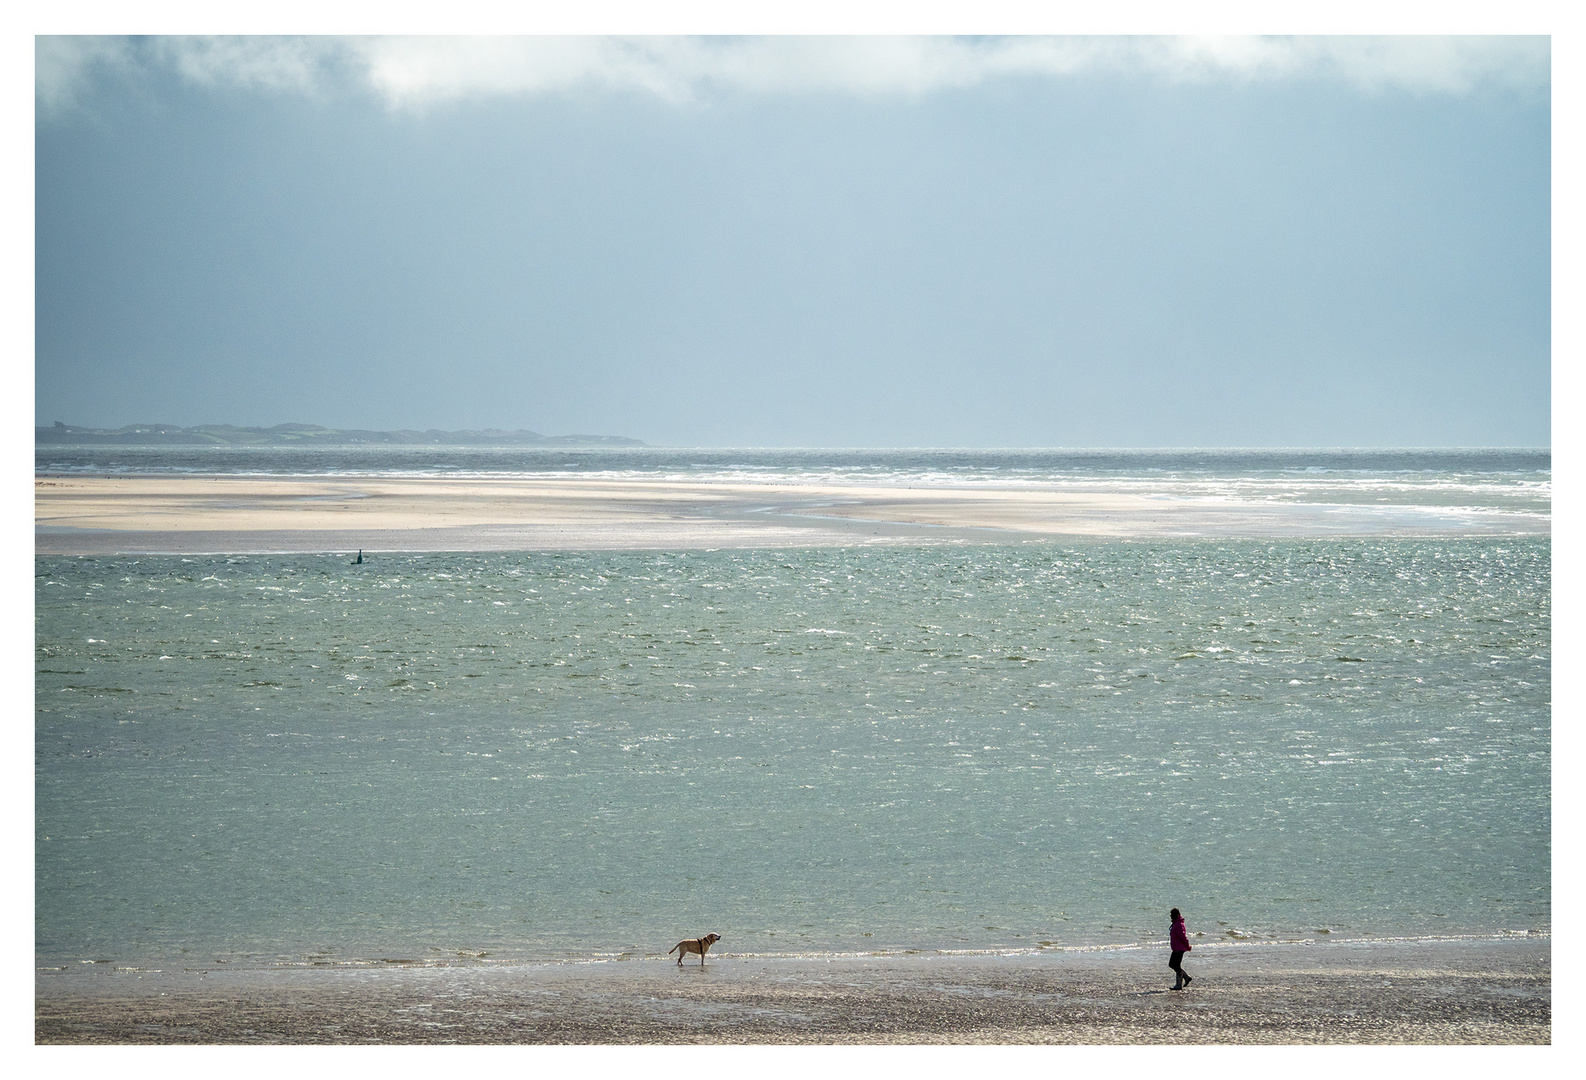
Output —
(643, 445)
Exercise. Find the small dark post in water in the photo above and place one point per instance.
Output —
(359, 560)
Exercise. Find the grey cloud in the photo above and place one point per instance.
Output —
(63, 67)
(416, 71)
(68, 67)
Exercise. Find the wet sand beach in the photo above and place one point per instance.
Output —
(195, 514)
(1439, 991)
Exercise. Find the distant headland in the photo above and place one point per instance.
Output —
(303, 435)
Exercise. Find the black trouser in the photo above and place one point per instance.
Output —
(1174, 960)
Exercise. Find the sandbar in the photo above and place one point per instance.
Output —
(1483, 990)
(91, 515)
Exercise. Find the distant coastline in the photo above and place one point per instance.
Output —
(302, 435)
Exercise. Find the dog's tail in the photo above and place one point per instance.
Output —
(674, 948)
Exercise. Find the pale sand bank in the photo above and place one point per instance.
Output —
(1454, 991)
(187, 514)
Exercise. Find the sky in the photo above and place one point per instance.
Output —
(801, 241)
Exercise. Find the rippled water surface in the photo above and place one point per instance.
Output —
(270, 759)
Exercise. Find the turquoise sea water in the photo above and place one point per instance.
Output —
(290, 759)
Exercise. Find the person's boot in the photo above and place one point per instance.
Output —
(1179, 985)
(1187, 979)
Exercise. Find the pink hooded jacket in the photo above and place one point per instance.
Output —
(1177, 938)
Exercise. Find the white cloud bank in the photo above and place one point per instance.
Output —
(411, 72)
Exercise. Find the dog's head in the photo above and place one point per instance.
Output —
(710, 939)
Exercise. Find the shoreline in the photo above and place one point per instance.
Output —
(188, 514)
(1464, 990)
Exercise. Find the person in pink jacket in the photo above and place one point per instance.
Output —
(1178, 941)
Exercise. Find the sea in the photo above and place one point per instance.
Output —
(458, 758)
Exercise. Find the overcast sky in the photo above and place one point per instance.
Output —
(818, 242)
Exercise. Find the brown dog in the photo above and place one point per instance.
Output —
(698, 944)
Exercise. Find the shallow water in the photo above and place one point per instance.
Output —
(1492, 482)
(278, 759)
